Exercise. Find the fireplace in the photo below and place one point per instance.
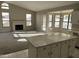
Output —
(18, 27)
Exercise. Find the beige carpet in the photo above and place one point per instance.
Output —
(9, 43)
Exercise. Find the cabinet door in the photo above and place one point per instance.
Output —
(43, 52)
(72, 44)
(55, 50)
(64, 49)
(31, 51)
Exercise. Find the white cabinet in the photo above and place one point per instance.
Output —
(43, 52)
(55, 50)
(72, 44)
(64, 49)
(32, 51)
(52, 51)
(55, 46)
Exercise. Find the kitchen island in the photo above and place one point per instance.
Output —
(54, 45)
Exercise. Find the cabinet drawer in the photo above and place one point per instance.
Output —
(72, 44)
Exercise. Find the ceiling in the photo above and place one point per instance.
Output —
(41, 5)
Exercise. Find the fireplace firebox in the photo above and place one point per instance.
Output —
(18, 27)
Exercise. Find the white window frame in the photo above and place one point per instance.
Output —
(65, 21)
(28, 20)
(4, 6)
(55, 21)
(50, 20)
(68, 22)
(44, 23)
(4, 20)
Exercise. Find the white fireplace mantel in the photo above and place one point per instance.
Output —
(18, 23)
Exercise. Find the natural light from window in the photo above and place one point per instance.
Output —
(57, 20)
(65, 21)
(50, 20)
(44, 23)
(4, 6)
(5, 19)
(70, 23)
(28, 19)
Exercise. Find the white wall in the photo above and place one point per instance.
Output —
(75, 20)
(17, 14)
(39, 22)
(39, 15)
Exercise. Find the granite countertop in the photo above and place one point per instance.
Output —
(46, 39)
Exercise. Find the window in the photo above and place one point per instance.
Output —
(4, 6)
(44, 23)
(50, 20)
(65, 21)
(5, 15)
(62, 19)
(57, 20)
(28, 19)
(70, 24)
(5, 19)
